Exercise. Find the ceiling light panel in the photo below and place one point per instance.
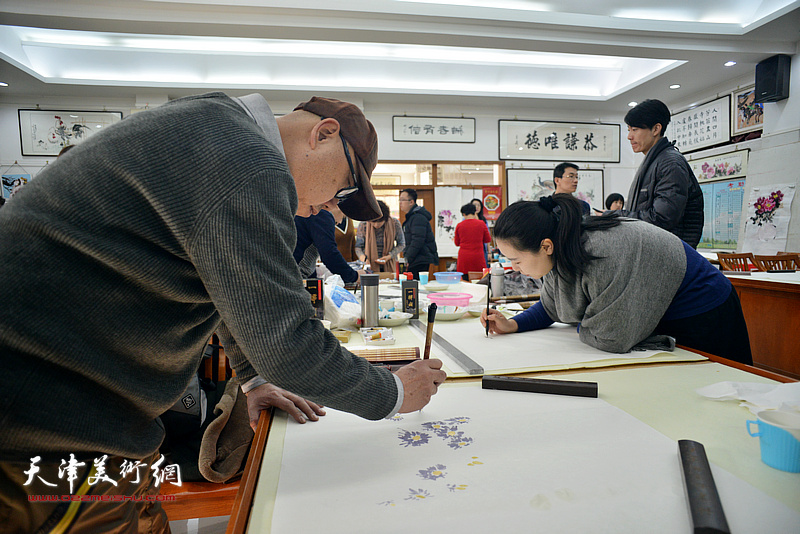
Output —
(60, 56)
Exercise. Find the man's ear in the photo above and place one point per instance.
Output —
(657, 129)
(323, 131)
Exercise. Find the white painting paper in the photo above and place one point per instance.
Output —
(478, 460)
(555, 347)
(448, 215)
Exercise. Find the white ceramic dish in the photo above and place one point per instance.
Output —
(450, 313)
(436, 286)
(475, 310)
(393, 318)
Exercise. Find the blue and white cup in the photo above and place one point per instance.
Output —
(779, 438)
(423, 277)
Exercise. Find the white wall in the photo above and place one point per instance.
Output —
(773, 158)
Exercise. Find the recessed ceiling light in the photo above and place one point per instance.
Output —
(675, 86)
(3, 84)
(632, 104)
(730, 63)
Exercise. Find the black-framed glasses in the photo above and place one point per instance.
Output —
(346, 192)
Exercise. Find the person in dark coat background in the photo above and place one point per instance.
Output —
(420, 251)
(665, 191)
(316, 238)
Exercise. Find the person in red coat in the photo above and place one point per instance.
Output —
(471, 234)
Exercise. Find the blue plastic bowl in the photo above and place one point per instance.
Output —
(448, 277)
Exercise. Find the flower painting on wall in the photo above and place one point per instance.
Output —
(768, 215)
(765, 207)
(722, 167)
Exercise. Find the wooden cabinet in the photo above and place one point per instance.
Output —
(772, 312)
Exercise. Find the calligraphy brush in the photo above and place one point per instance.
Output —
(487, 311)
(429, 333)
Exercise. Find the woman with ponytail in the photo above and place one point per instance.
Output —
(620, 280)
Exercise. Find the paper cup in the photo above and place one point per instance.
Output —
(779, 439)
(423, 277)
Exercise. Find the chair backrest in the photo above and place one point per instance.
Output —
(475, 275)
(779, 262)
(736, 262)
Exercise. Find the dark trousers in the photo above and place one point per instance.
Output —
(721, 331)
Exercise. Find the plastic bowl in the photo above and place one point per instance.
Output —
(450, 299)
(448, 277)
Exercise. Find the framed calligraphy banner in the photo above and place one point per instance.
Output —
(433, 129)
(45, 133)
(706, 125)
(533, 184)
(559, 141)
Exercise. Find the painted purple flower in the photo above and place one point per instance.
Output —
(449, 432)
(433, 472)
(462, 420)
(413, 439)
(459, 442)
(417, 495)
(433, 426)
(454, 487)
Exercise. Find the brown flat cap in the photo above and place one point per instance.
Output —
(360, 134)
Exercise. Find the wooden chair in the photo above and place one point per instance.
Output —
(204, 499)
(199, 499)
(779, 262)
(475, 275)
(736, 262)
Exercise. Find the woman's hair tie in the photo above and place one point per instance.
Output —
(548, 204)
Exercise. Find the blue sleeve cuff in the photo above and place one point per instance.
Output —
(534, 318)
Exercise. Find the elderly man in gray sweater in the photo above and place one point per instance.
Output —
(122, 258)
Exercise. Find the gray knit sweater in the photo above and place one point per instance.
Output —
(122, 258)
(621, 297)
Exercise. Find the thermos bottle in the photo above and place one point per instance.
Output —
(369, 300)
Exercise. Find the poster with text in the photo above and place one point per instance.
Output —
(722, 202)
(492, 205)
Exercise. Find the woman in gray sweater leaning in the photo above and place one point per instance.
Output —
(619, 280)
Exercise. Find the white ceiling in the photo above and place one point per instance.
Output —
(590, 55)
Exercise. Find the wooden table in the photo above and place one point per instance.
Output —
(771, 307)
(642, 391)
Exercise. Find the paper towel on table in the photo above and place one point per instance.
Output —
(756, 396)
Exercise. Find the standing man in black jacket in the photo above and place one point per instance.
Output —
(420, 251)
(665, 191)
